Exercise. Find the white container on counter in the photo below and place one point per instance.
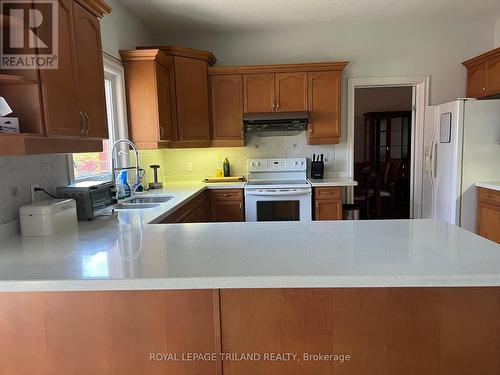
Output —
(48, 217)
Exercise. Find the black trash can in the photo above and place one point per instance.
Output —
(350, 211)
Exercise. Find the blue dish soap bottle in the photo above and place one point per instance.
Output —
(122, 186)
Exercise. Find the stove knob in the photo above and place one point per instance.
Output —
(252, 164)
(296, 163)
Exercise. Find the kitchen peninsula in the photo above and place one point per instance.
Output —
(387, 293)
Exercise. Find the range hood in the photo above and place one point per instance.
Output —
(275, 123)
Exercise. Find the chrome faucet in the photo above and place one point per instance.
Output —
(114, 161)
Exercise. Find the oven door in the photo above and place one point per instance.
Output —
(286, 204)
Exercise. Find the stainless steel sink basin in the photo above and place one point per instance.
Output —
(135, 206)
(140, 200)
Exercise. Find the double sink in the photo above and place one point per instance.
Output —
(142, 202)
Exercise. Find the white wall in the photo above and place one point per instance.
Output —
(497, 33)
(122, 30)
(374, 50)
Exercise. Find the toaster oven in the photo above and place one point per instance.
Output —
(92, 197)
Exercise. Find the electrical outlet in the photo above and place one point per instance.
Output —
(189, 166)
(34, 194)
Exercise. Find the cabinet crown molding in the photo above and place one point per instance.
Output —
(279, 68)
(99, 8)
(478, 60)
(146, 55)
(184, 52)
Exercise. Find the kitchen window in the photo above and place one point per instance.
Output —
(97, 165)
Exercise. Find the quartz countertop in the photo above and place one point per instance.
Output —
(493, 185)
(332, 181)
(125, 252)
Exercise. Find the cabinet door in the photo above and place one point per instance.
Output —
(90, 72)
(493, 76)
(59, 86)
(258, 93)
(324, 107)
(227, 211)
(227, 110)
(164, 95)
(328, 210)
(191, 87)
(476, 81)
(291, 92)
(489, 221)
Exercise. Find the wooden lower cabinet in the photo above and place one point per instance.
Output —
(193, 211)
(328, 203)
(226, 205)
(488, 215)
(101, 333)
(389, 331)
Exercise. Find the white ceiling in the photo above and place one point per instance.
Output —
(247, 15)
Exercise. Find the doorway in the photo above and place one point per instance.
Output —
(382, 151)
(420, 99)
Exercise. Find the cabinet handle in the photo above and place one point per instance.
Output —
(278, 107)
(484, 88)
(87, 121)
(274, 106)
(317, 205)
(242, 132)
(241, 206)
(310, 127)
(161, 132)
(82, 123)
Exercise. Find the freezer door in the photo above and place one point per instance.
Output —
(481, 154)
(446, 161)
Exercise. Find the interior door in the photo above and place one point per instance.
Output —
(59, 91)
(291, 92)
(90, 72)
(258, 93)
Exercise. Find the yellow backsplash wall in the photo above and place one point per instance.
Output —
(205, 161)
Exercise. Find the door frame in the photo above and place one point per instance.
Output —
(420, 99)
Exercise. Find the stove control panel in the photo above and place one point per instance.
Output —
(277, 165)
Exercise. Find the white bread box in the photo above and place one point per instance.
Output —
(48, 217)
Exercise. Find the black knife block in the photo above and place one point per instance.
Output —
(317, 169)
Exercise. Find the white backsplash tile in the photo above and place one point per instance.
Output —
(19, 172)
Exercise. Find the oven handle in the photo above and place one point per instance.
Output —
(275, 193)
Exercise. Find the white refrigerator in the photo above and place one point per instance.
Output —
(461, 146)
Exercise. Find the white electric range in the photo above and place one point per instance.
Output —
(278, 190)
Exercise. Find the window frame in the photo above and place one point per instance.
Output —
(114, 73)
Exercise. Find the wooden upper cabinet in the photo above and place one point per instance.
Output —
(59, 86)
(291, 92)
(164, 103)
(476, 81)
(483, 74)
(167, 95)
(90, 72)
(227, 110)
(73, 96)
(324, 107)
(149, 97)
(191, 89)
(259, 93)
(493, 75)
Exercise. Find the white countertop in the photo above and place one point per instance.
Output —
(332, 181)
(124, 252)
(493, 185)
